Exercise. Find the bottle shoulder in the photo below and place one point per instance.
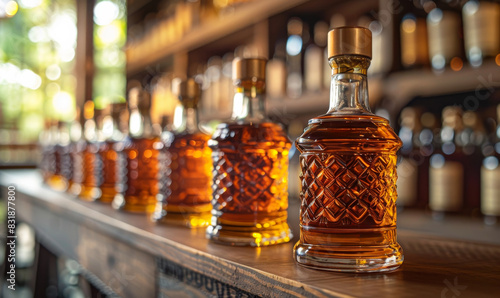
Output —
(335, 131)
(186, 140)
(248, 133)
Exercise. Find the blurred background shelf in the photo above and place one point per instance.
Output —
(402, 86)
(244, 16)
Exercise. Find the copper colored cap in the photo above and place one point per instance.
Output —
(249, 69)
(189, 93)
(350, 41)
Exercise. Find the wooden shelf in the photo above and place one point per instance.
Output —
(401, 87)
(156, 259)
(244, 16)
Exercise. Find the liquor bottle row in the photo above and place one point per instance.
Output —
(444, 34)
(235, 182)
(453, 167)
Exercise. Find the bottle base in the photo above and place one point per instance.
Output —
(355, 259)
(89, 193)
(107, 195)
(190, 220)
(249, 235)
(134, 204)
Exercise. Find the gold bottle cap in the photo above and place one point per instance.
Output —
(189, 92)
(350, 41)
(249, 69)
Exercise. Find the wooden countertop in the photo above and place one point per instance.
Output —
(81, 230)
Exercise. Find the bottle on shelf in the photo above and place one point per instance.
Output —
(185, 181)
(445, 46)
(276, 73)
(314, 60)
(59, 140)
(213, 89)
(137, 161)
(427, 143)
(348, 171)
(471, 140)
(87, 188)
(44, 148)
(78, 146)
(226, 85)
(481, 30)
(250, 158)
(294, 45)
(413, 36)
(408, 184)
(106, 168)
(490, 176)
(74, 162)
(446, 166)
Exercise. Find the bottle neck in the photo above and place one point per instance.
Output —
(349, 86)
(190, 120)
(249, 102)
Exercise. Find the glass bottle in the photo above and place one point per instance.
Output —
(446, 166)
(294, 49)
(470, 140)
(44, 141)
(348, 163)
(481, 30)
(59, 138)
(137, 163)
(74, 132)
(77, 144)
(313, 58)
(250, 159)
(444, 32)
(186, 168)
(427, 141)
(407, 183)
(107, 156)
(89, 182)
(490, 177)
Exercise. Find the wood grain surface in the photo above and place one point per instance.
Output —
(121, 249)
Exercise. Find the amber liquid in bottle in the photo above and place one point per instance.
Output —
(348, 164)
(185, 180)
(54, 177)
(137, 165)
(106, 167)
(185, 186)
(108, 158)
(89, 175)
(250, 181)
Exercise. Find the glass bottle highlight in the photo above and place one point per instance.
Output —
(348, 165)
(185, 168)
(250, 159)
(137, 159)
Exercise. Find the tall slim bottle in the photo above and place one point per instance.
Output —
(348, 164)
(185, 180)
(137, 163)
(250, 159)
